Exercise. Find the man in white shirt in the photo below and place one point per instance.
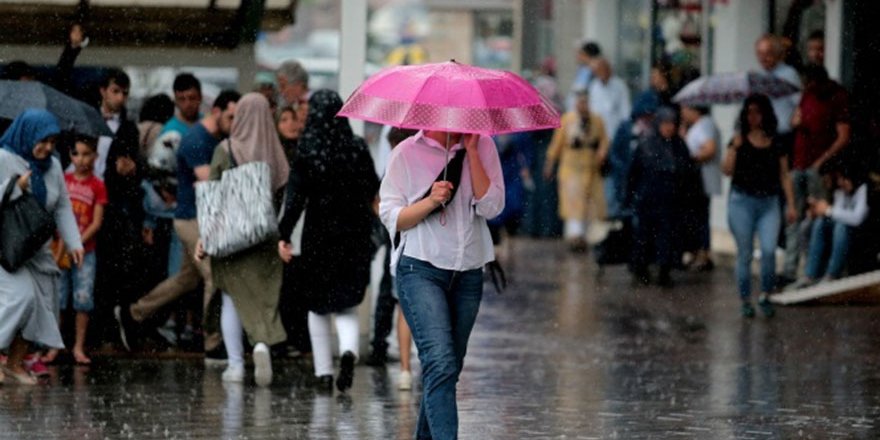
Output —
(769, 51)
(609, 96)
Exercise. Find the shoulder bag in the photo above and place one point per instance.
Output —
(236, 212)
(25, 226)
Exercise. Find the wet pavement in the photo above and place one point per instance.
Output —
(565, 352)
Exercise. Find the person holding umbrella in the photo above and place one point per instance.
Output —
(440, 187)
(444, 244)
(29, 306)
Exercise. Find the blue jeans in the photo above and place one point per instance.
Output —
(748, 215)
(805, 183)
(78, 283)
(819, 245)
(440, 307)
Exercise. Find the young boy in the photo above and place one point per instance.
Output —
(88, 196)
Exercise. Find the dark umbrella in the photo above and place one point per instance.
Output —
(72, 114)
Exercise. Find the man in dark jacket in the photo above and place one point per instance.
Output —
(120, 241)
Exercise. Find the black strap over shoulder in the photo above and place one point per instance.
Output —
(10, 186)
(453, 173)
(231, 156)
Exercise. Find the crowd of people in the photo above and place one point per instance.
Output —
(128, 252)
(793, 183)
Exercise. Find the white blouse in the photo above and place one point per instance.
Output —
(458, 239)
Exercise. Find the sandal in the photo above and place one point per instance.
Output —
(13, 378)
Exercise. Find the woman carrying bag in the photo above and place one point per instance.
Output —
(28, 294)
(250, 279)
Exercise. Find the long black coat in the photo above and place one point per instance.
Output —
(334, 182)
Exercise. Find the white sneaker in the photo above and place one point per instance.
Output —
(262, 365)
(404, 381)
(233, 373)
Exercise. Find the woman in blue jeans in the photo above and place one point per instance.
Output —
(759, 169)
(442, 242)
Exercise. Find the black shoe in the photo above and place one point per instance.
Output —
(641, 277)
(766, 306)
(377, 359)
(217, 357)
(324, 384)
(346, 372)
(665, 281)
(747, 310)
(126, 326)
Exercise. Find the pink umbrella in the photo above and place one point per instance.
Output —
(451, 97)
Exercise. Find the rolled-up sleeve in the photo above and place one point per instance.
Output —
(492, 203)
(392, 192)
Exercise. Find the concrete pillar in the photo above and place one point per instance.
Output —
(353, 52)
(601, 23)
(834, 37)
(736, 26)
(568, 25)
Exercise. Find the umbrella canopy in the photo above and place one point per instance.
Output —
(451, 97)
(730, 88)
(72, 114)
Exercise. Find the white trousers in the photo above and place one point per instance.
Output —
(322, 344)
(575, 229)
(230, 325)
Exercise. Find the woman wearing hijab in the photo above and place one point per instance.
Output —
(250, 279)
(662, 179)
(28, 301)
(580, 146)
(334, 181)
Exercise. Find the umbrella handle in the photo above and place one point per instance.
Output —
(446, 164)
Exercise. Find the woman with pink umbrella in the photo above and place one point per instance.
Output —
(440, 187)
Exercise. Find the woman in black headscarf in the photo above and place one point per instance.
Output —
(662, 179)
(334, 181)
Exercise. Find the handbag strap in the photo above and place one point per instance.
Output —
(10, 186)
(229, 151)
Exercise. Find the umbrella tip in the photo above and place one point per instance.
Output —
(452, 60)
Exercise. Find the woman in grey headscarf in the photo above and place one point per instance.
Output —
(251, 279)
(28, 302)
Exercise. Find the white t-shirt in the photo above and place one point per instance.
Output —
(701, 132)
(611, 102)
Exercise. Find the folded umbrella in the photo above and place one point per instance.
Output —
(72, 114)
(730, 88)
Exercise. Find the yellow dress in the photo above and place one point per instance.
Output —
(581, 196)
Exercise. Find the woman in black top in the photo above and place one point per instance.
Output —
(759, 168)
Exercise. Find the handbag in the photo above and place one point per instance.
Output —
(236, 212)
(25, 226)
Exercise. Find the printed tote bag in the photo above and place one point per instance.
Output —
(236, 212)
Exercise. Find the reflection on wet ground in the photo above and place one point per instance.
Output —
(563, 353)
